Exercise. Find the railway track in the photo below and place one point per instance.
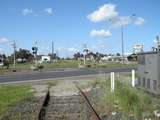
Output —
(75, 107)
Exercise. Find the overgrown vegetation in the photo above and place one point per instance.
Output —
(126, 101)
(12, 94)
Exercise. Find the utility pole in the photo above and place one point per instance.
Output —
(122, 44)
(57, 55)
(14, 54)
(84, 48)
(52, 50)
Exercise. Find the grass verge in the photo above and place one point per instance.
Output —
(114, 65)
(12, 94)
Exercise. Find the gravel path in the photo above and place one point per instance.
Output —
(66, 108)
(66, 103)
(64, 88)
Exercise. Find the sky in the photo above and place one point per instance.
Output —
(73, 24)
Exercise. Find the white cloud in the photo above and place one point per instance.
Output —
(27, 11)
(100, 33)
(125, 20)
(49, 11)
(105, 12)
(3, 40)
(139, 21)
(120, 20)
(108, 12)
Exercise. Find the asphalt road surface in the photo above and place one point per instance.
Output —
(36, 75)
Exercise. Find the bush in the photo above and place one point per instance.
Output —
(40, 67)
(6, 63)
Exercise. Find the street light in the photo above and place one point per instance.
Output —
(122, 38)
(122, 44)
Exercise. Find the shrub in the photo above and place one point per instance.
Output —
(6, 63)
(40, 67)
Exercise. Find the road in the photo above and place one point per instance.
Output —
(36, 75)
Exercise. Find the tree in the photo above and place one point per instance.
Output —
(118, 54)
(6, 63)
(77, 55)
(98, 56)
(4, 60)
(2, 57)
(23, 54)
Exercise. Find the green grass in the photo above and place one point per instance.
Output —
(125, 99)
(114, 65)
(63, 64)
(12, 94)
(132, 101)
(22, 66)
(19, 67)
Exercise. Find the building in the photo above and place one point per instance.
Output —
(137, 48)
(149, 71)
(46, 58)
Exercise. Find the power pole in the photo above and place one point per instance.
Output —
(14, 54)
(84, 47)
(122, 44)
(52, 50)
(57, 55)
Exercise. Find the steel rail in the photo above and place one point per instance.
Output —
(96, 116)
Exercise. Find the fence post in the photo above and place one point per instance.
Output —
(133, 78)
(112, 82)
